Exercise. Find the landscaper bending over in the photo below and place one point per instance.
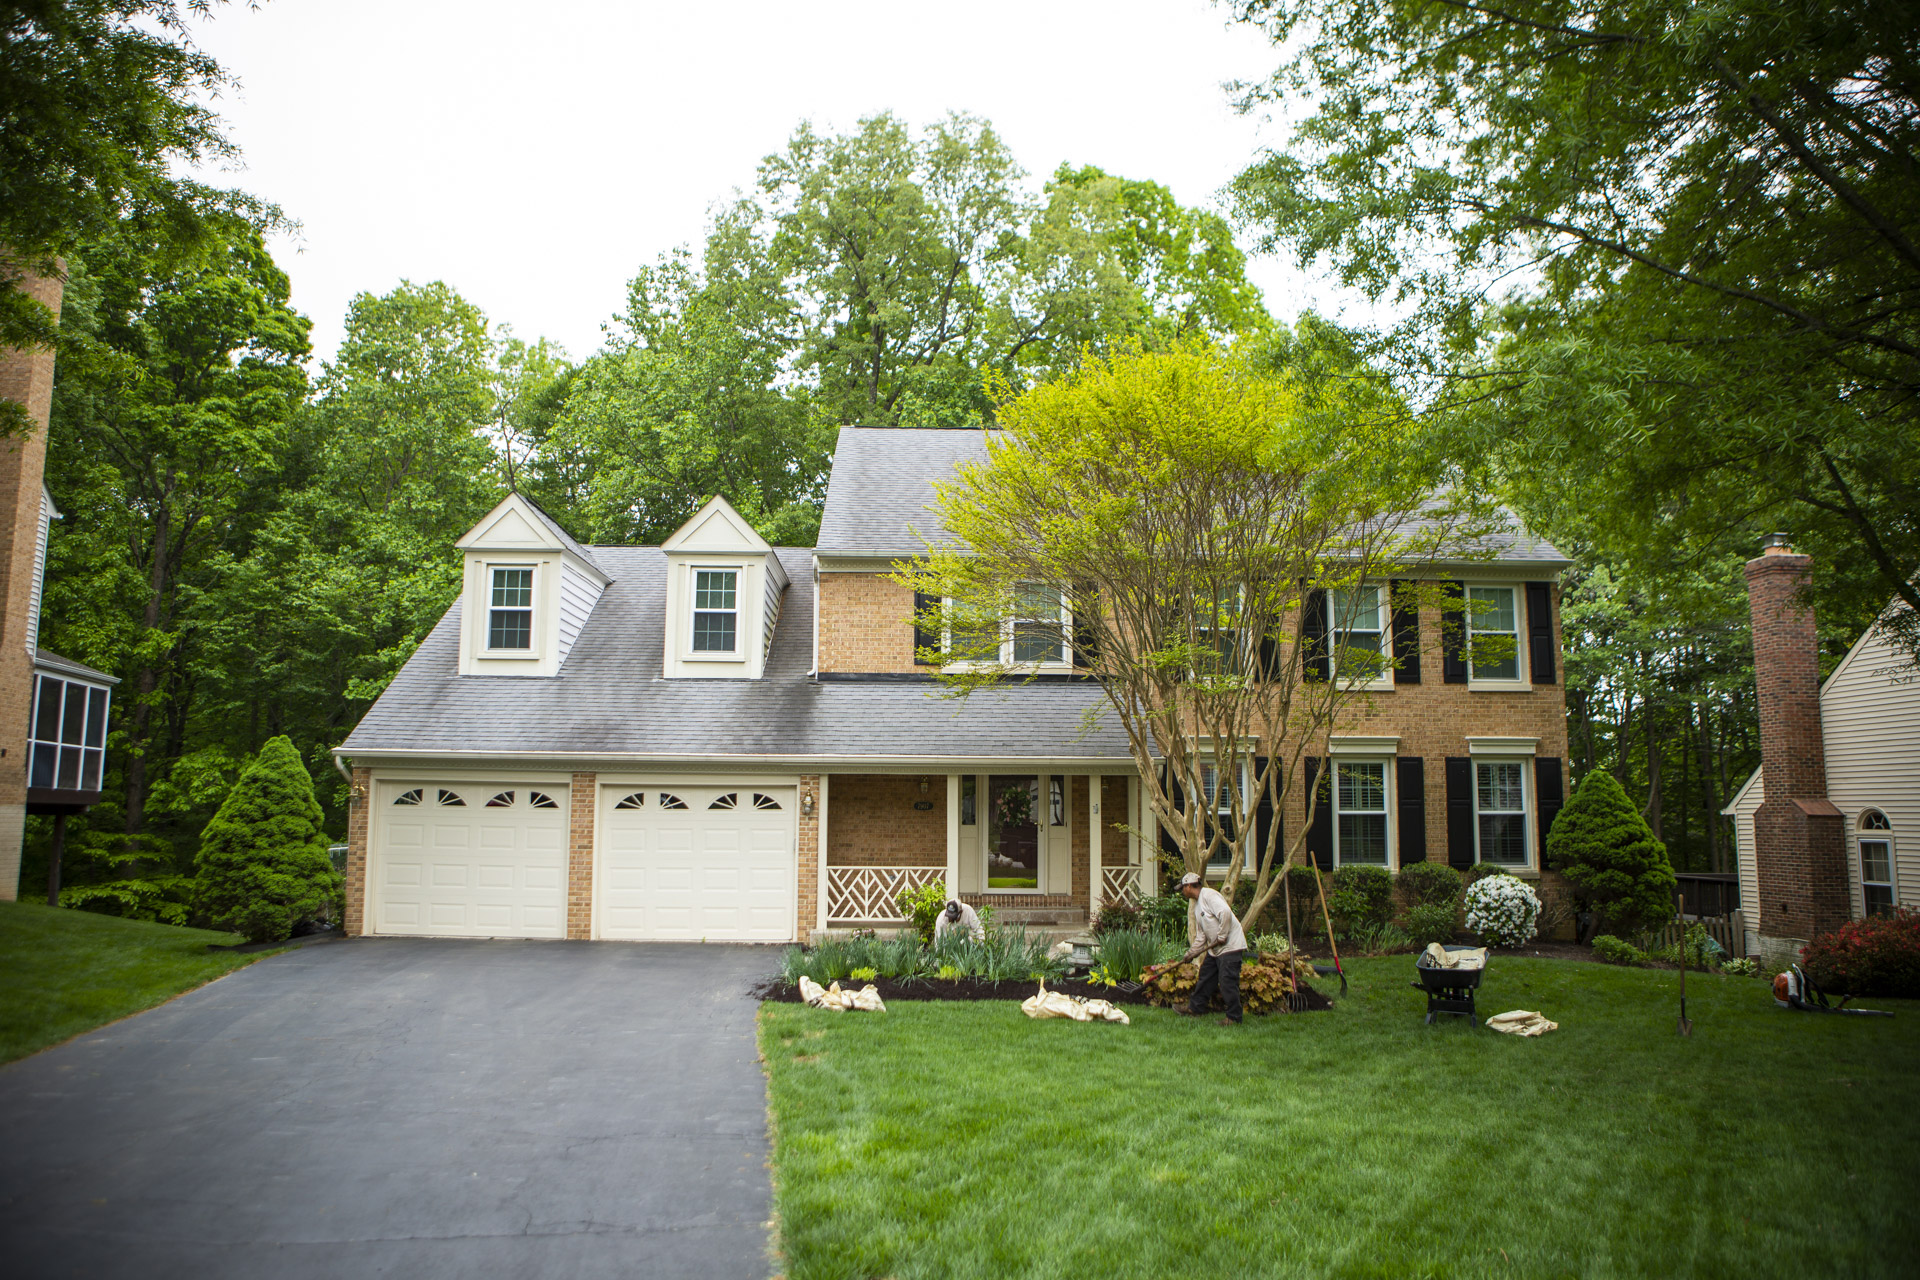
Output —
(1212, 928)
(958, 915)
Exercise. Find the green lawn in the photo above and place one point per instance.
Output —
(63, 971)
(966, 1140)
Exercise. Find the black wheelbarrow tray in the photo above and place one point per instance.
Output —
(1449, 990)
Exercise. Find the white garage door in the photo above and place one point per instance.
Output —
(713, 863)
(470, 861)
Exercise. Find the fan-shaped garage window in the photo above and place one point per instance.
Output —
(764, 802)
(502, 801)
(541, 800)
(408, 797)
(634, 800)
(731, 800)
(668, 800)
(451, 799)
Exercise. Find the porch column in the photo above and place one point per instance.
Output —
(1095, 876)
(820, 802)
(1136, 840)
(953, 837)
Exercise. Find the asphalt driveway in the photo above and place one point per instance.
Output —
(405, 1107)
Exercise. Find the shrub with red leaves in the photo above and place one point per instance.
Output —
(1877, 956)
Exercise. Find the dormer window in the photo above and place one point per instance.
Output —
(716, 611)
(510, 615)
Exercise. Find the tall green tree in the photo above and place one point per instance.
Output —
(1662, 254)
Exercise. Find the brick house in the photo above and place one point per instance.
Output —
(53, 710)
(1827, 829)
(718, 739)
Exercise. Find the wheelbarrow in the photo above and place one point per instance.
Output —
(1449, 990)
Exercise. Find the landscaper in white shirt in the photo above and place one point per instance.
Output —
(1211, 928)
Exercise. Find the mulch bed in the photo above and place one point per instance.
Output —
(892, 989)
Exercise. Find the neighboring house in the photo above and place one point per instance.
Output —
(53, 711)
(718, 739)
(1853, 749)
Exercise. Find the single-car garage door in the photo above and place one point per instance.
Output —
(467, 860)
(714, 863)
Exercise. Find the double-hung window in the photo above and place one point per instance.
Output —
(1876, 862)
(510, 609)
(1217, 790)
(1217, 634)
(1493, 627)
(1361, 642)
(1500, 811)
(1360, 813)
(1037, 627)
(716, 610)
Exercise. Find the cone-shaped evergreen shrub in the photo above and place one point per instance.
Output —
(1608, 853)
(263, 864)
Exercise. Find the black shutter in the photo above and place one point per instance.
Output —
(1313, 633)
(1262, 819)
(1269, 659)
(1167, 843)
(1549, 794)
(1411, 782)
(1086, 639)
(1406, 634)
(923, 637)
(1453, 637)
(1320, 833)
(1460, 812)
(1540, 632)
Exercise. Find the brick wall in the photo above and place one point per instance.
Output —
(866, 624)
(807, 909)
(26, 377)
(873, 822)
(581, 798)
(1077, 790)
(1113, 811)
(1798, 837)
(359, 808)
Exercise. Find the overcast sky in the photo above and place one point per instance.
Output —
(532, 155)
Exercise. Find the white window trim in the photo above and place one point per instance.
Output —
(1526, 808)
(1390, 799)
(534, 629)
(1503, 746)
(735, 654)
(1384, 615)
(1356, 745)
(1522, 679)
(1863, 834)
(1006, 661)
(1204, 761)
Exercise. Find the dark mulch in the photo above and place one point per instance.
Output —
(892, 989)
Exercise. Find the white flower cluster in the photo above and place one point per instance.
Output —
(1502, 909)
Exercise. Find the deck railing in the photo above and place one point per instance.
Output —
(870, 895)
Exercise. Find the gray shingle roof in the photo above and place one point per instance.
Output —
(879, 496)
(610, 699)
(567, 540)
(882, 483)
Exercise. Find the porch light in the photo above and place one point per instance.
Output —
(806, 803)
(923, 786)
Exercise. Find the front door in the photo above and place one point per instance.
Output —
(1014, 856)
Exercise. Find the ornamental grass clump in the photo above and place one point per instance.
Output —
(1502, 910)
(263, 866)
(1125, 953)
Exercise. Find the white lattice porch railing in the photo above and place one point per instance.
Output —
(1119, 884)
(869, 895)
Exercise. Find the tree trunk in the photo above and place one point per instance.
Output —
(53, 858)
(1652, 811)
(147, 680)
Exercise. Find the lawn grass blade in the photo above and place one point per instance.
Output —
(1686, 1026)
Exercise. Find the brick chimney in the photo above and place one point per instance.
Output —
(1798, 836)
(26, 377)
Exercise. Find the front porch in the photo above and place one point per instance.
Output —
(1043, 850)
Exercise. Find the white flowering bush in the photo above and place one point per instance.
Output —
(1502, 909)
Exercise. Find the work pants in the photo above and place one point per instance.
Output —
(1224, 971)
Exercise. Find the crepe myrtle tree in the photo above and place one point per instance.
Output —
(1176, 523)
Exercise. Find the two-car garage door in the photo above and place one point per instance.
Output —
(674, 862)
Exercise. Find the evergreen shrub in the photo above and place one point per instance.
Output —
(1431, 882)
(1432, 922)
(263, 866)
(1617, 869)
(1360, 897)
(1612, 950)
(1502, 909)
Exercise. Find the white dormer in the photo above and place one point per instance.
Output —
(724, 588)
(527, 591)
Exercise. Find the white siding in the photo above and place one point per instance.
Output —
(39, 573)
(578, 594)
(1870, 720)
(770, 613)
(1745, 801)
